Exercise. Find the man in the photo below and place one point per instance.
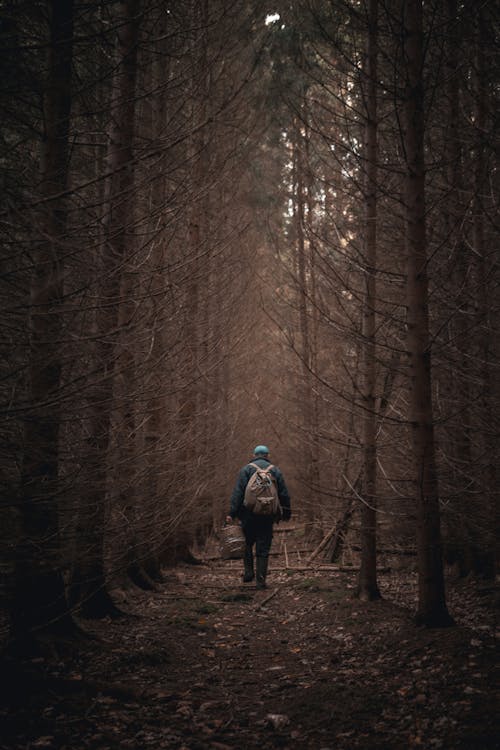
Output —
(257, 529)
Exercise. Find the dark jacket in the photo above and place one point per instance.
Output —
(238, 510)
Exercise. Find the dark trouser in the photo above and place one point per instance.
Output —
(258, 531)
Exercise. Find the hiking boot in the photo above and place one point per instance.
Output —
(248, 574)
(261, 572)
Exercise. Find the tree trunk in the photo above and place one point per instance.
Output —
(432, 610)
(459, 435)
(39, 599)
(313, 391)
(155, 424)
(484, 543)
(88, 575)
(367, 583)
(189, 424)
(305, 340)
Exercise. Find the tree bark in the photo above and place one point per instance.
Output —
(305, 337)
(459, 435)
(314, 329)
(39, 599)
(367, 583)
(432, 610)
(484, 543)
(88, 576)
(189, 425)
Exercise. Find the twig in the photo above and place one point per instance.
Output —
(268, 598)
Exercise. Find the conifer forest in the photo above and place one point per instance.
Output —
(226, 223)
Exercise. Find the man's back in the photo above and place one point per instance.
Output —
(258, 529)
(238, 509)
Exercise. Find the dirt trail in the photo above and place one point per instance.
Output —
(206, 664)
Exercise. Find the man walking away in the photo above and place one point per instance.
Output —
(255, 504)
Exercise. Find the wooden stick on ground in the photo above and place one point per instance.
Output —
(321, 546)
(324, 567)
(268, 598)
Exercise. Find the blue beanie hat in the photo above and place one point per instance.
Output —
(261, 450)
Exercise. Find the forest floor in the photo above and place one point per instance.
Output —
(209, 663)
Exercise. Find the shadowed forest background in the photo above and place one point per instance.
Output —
(232, 222)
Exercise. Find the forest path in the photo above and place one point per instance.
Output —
(208, 663)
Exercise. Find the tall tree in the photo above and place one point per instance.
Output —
(367, 586)
(432, 610)
(88, 584)
(485, 558)
(40, 601)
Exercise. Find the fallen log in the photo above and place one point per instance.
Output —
(282, 529)
(404, 552)
(324, 566)
(272, 553)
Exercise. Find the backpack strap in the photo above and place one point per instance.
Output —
(258, 468)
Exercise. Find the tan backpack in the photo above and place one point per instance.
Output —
(261, 494)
